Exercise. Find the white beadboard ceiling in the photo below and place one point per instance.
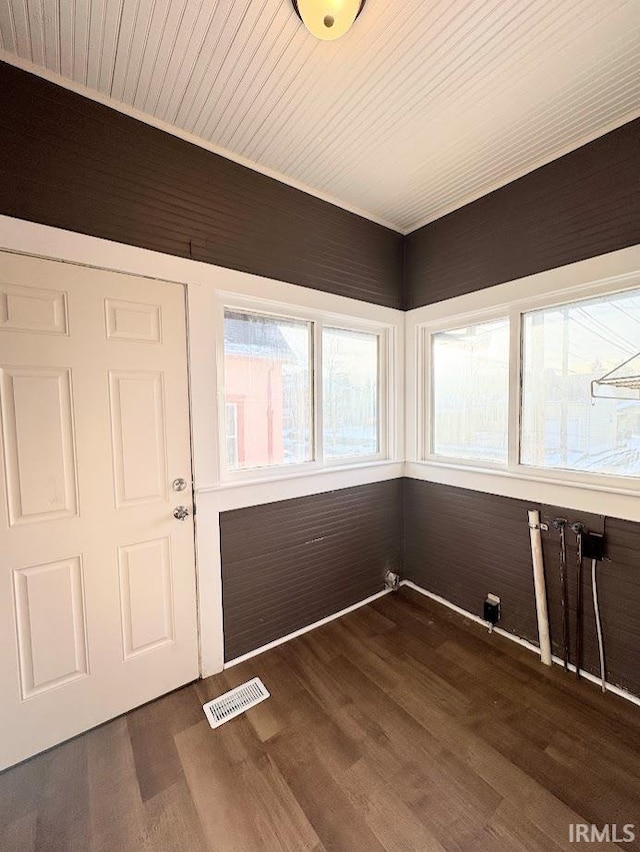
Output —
(423, 106)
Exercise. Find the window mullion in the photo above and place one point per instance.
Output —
(515, 388)
(424, 408)
(317, 391)
(386, 434)
(429, 407)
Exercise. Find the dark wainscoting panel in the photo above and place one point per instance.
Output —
(75, 164)
(286, 565)
(581, 205)
(461, 544)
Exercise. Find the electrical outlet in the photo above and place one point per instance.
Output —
(492, 609)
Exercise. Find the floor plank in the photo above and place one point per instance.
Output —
(151, 732)
(63, 813)
(116, 812)
(402, 726)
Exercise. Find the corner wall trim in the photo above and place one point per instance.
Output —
(616, 690)
(306, 629)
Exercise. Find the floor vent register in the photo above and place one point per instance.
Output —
(235, 702)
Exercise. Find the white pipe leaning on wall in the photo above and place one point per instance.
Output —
(540, 586)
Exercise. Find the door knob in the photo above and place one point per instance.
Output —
(181, 513)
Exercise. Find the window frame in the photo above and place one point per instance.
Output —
(427, 342)
(514, 312)
(319, 319)
(384, 372)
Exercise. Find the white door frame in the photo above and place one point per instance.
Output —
(53, 243)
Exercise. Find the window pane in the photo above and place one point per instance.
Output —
(268, 381)
(350, 367)
(564, 349)
(470, 392)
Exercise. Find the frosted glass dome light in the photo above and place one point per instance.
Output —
(328, 19)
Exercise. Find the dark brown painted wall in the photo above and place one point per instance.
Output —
(462, 544)
(584, 204)
(288, 564)
(75, 164)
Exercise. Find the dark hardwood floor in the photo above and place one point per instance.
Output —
(401, 726)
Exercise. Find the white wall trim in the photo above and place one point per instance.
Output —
(152, 121)
(304, 630)
(616, 690)
(227, 497)
(616, 503)
(354, 469)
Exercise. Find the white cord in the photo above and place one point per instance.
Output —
(596, 610)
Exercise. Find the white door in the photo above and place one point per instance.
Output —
(97, 577)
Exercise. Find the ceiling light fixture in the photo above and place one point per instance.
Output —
(328, 19)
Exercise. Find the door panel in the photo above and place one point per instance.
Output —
(138, 437)
(133, 321)
(97, 578)
(50, 616)
(33, 310)
(38, 443)
(146, 595)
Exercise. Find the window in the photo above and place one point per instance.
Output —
(549, 391)
(350, 393)
(470, 392)
(268, 374)
(565, 349)
(302, 390)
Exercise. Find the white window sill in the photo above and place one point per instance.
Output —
(273, 477)
(622, 502)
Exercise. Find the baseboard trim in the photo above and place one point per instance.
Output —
(250, 654)
(616, 690)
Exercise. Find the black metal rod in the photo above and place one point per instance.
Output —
(578, 530)
(560, 524)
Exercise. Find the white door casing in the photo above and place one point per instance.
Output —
(97, 578)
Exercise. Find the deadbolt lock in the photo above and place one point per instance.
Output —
(179, 484)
